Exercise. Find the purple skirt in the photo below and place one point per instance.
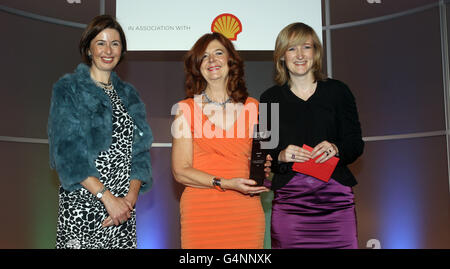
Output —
(310, 213)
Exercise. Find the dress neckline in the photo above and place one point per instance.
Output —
(292, 96)
(206, 118)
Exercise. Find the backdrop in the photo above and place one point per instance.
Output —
(392, 54)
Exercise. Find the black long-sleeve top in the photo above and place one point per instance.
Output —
(329, 114)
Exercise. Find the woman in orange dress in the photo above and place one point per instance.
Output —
(211, 150)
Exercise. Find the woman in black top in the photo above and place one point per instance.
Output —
(321, 113)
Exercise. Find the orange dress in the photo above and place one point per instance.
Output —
(210, 218)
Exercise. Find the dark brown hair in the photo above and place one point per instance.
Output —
(194, 81)
(97, 25)
(295, 34)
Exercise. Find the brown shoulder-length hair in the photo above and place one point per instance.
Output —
(194, 81)
(98, 24)
(296, 34)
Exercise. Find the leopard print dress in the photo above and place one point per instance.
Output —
(80, 214)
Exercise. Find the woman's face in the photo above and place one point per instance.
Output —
(214, 65)
(105, 50)
(299, 59)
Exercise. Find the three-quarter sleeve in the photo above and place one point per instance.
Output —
(349, 143)
(141, 168)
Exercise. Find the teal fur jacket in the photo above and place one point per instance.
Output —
(80, 127)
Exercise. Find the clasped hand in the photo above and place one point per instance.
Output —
(119, 209)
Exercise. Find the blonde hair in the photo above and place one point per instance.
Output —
(295, 34)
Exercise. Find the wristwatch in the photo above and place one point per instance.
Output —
(99, 194)
(216, 184)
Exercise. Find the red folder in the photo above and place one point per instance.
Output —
(320, 171)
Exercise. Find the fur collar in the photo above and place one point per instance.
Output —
(83, 78)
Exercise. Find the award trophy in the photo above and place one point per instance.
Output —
(258, 156)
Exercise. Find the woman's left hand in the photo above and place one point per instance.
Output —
(130, 199)
(119, 210)
(267, 165)
(328, 149)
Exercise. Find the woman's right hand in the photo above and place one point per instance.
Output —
(243, 185)
(293, 153)
(119, 209)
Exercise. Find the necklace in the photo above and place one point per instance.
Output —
(208, 100)
(106, 86)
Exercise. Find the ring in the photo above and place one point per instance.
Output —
(122, 222)
(293, 156)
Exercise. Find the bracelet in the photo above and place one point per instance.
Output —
(217, 185)
(99, 194)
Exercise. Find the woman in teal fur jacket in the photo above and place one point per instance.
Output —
(99, 142)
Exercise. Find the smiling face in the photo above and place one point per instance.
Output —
(214, 64)
(105, 50)
(299, 59)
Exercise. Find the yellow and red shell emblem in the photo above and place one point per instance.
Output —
(228, 25)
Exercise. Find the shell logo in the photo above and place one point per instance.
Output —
(228, 25)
